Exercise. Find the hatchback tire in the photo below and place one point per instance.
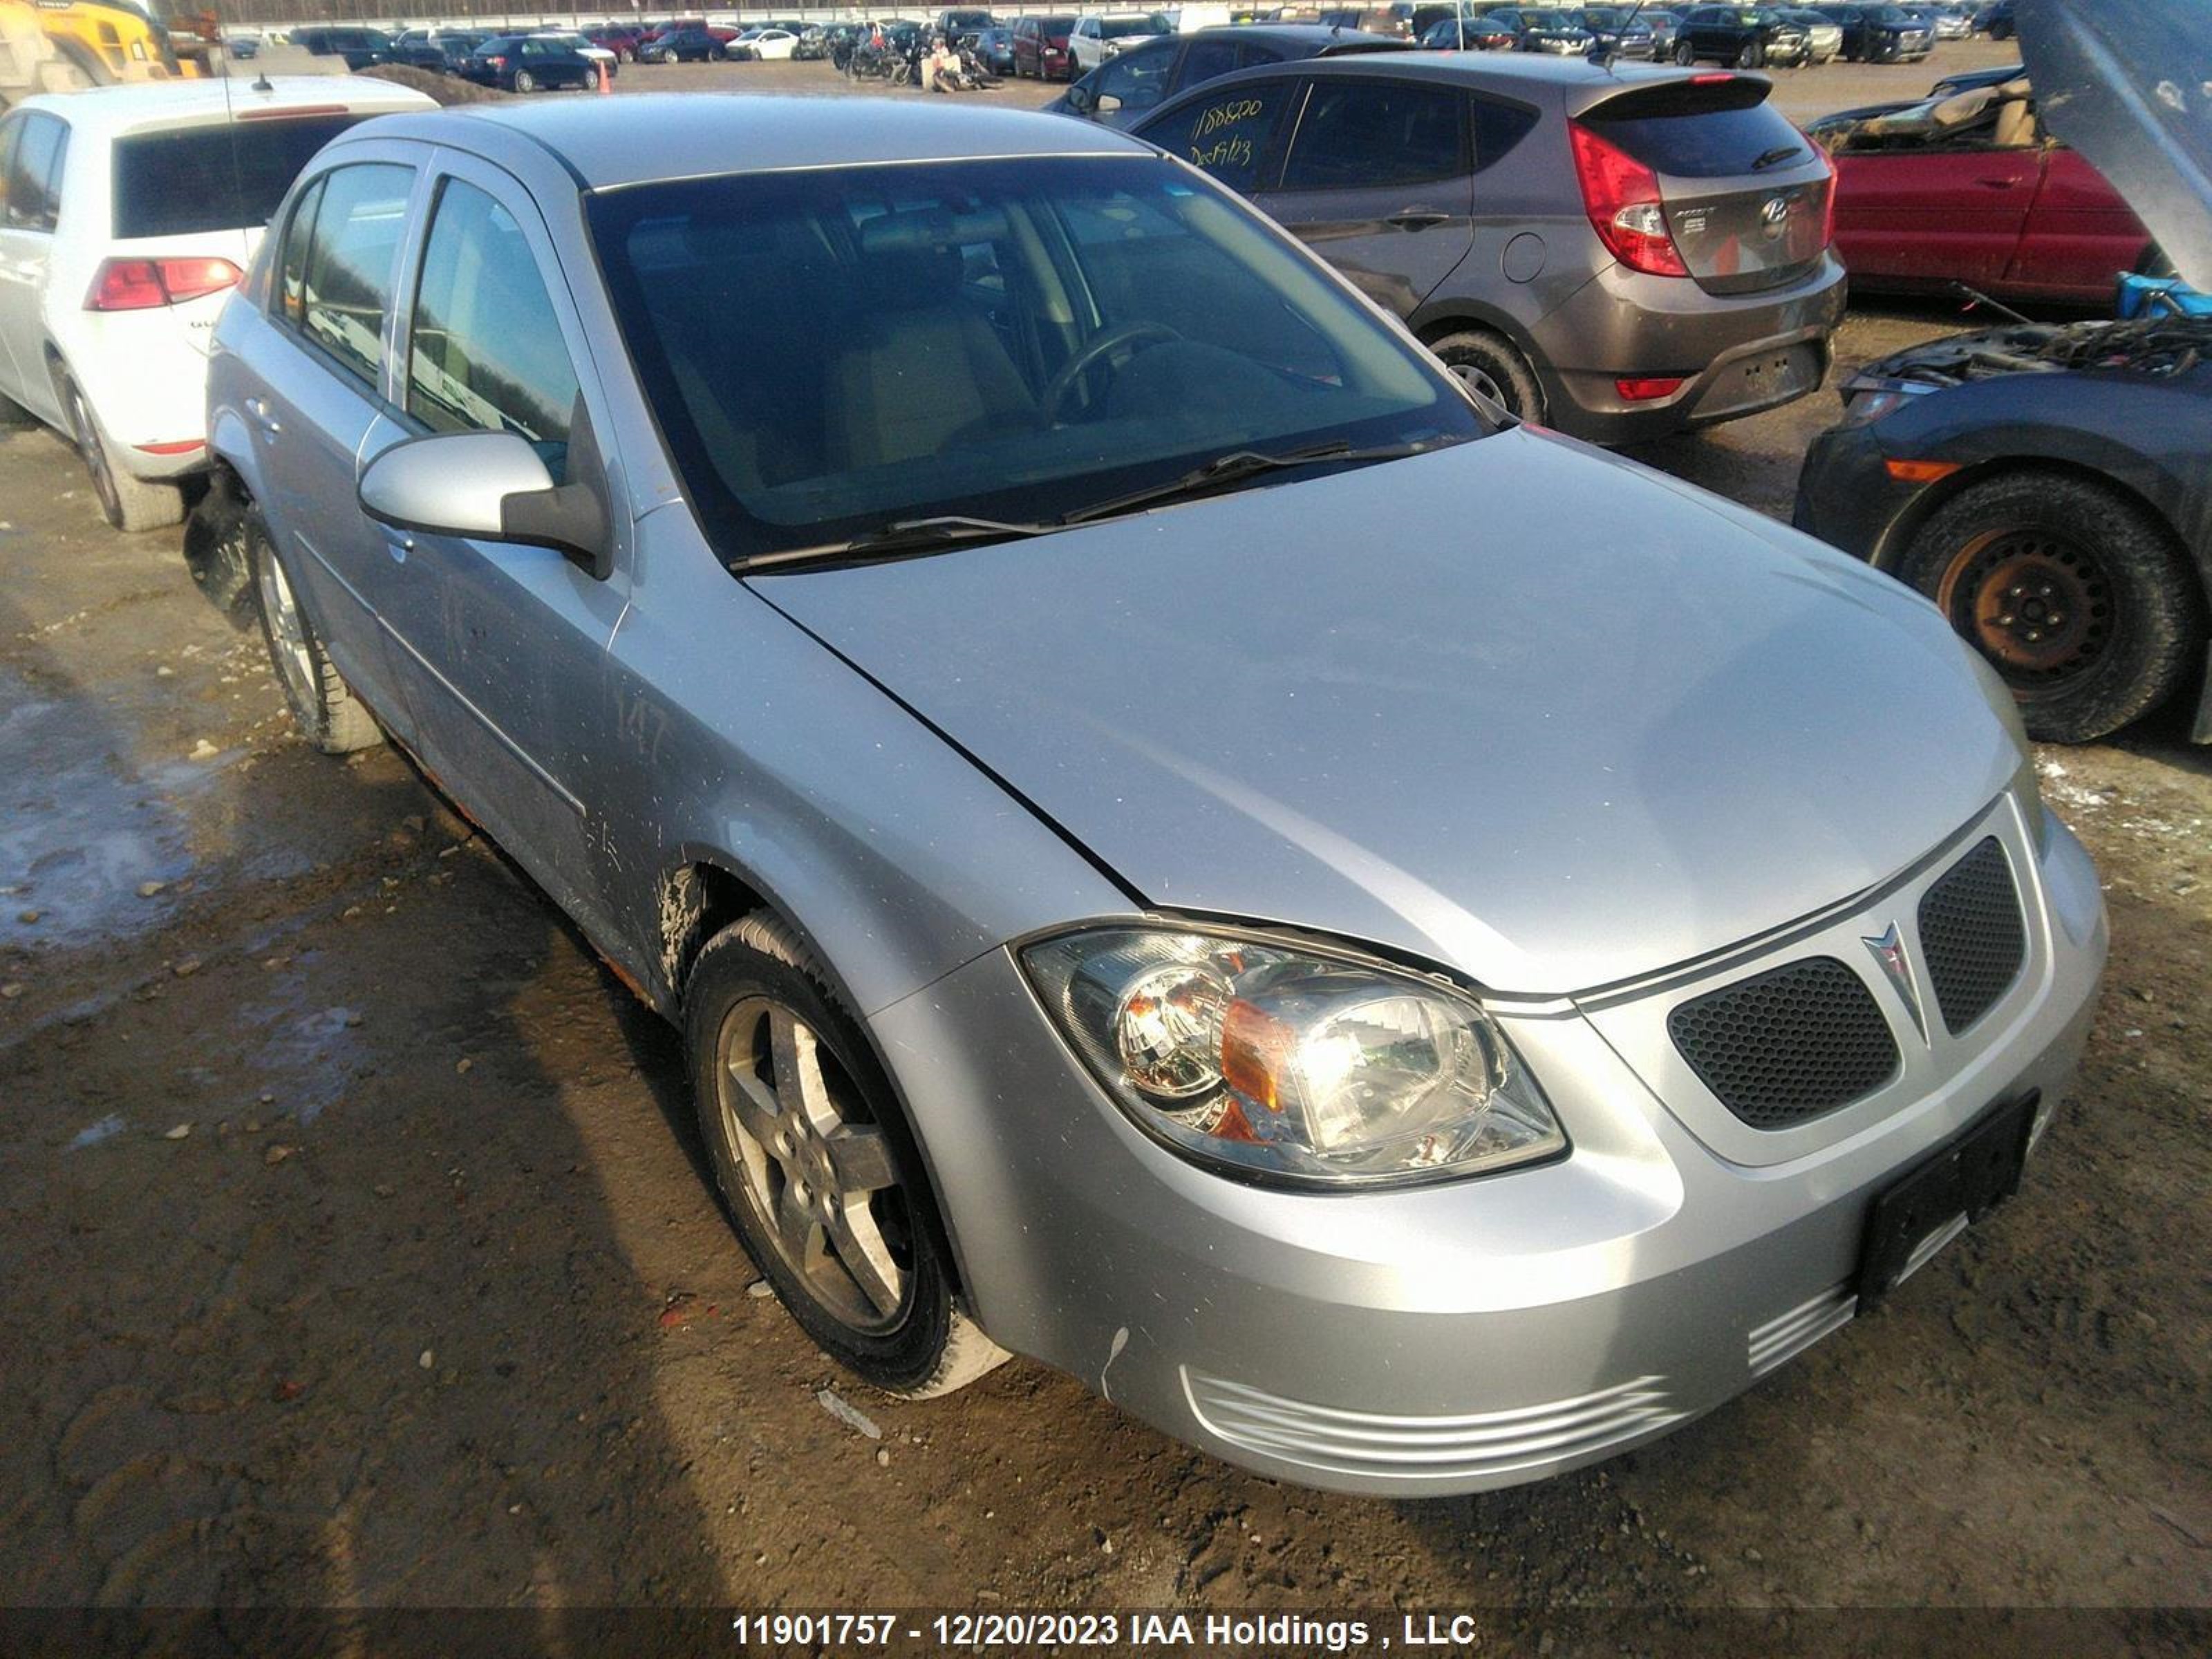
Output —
(2074, 593)
(328, 713)
(127, 502)
(1685, 54)
(1490, 363)
(809, 1153)
(525, 81)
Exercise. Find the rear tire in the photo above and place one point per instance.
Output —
(811, 1159)
(1490, 363)
(525, 81)
(2075, 594)
(328, 713)
(1751, 56)
(1685, 54)
(127, 502)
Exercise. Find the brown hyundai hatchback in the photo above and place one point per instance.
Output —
(1620, 252)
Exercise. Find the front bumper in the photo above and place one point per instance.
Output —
(1846, 497)
(1737, 353)
(1454, 1338)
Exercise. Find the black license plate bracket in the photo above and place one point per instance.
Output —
(1966, 1178)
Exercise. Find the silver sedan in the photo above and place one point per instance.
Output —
(1405, 951)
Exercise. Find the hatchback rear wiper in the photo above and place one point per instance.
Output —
(904, 535)
(1779, 153)
(1228, 469)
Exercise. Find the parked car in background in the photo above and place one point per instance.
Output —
(439, 51)
(995, 50)
(1619, 29)
(584, 47)
(1944, 22)
(525, 64)
(958, 23)
(1749, 37)
(359, 48)
(1122, 90)
(1968, 189)
(1618, 252)
(1998, 25)
(1544, 29)
(2044, 485)
(243, 48)
(683, 46)
(1664, 25)
(618, 38)
(1041, 48)
(1196, 1008)
(127, 215)
(767, 44)
(1823, 36)
(1483, 34)
(1880, 33)
(1099, 37)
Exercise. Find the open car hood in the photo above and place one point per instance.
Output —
(2124, 81)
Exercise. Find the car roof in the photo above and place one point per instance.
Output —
(1316, 35)
(608, 142)
(153, 104)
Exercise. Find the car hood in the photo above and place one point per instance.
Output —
(2110, 80)
(1517, 707)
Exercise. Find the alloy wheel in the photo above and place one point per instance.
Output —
(88, 445)
(817, 1170)
(288, 633)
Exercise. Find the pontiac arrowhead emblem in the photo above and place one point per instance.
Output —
(1889, 951)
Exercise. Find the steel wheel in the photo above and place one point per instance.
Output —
(816, 1170)
(2039, 604)
(525, 81)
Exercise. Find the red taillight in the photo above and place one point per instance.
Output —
(1647, 389)
(1621, 196)
(1718, 79)
(497, 63)
(145, 284)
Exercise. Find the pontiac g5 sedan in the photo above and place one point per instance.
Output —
(1402, 950)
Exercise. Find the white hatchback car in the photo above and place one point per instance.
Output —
(1095, 39)
(127, 214)
(769, 45)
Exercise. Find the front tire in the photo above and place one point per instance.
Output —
(328, 713)
(127, 502)
(1490, 364)
(814, 1168)
(2074, 593)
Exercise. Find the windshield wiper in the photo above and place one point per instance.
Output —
(1238, 464)
(905, 536)
(1779, 153)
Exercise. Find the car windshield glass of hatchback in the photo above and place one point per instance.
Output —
(220, 178)
(1018, 340)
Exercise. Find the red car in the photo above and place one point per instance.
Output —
(1966, 189)
(1041, 47)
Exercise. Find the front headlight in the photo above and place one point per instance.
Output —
(1868, 406)
(1280, 1061)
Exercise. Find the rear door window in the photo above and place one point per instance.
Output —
(1367, 135)
(486, 353)
(218, 178)
(35, 174)
(1227, 135)
(345, 292)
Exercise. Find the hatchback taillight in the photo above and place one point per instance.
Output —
(1621, 196)
(146, 284)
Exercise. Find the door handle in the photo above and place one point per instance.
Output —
(258, 408)
(1416, 218)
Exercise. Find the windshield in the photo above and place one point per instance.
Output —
(1012, 339)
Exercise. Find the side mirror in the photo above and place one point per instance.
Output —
(487, 486)
(1106, 103)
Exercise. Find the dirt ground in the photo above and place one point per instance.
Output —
(357, 1248)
